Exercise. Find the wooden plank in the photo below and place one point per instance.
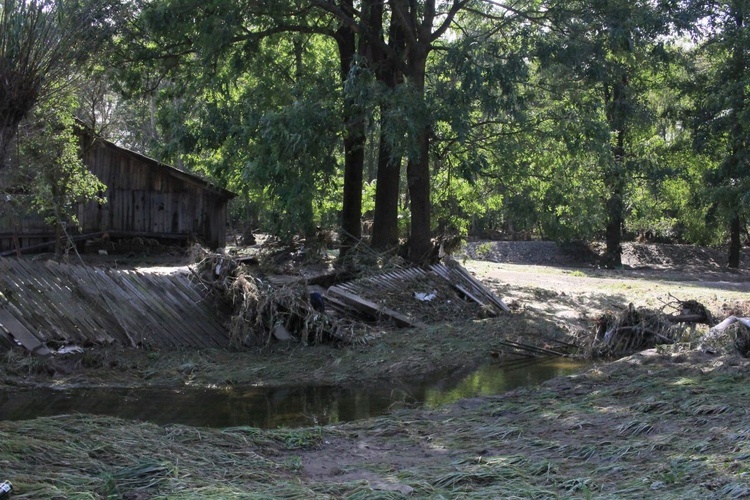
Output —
(48, 304)
(123, 311)
(146, 329)
(22, 334)
(76, 302)
(466, 292)
(27, 311)
(372, 308)
(194, 308)
(487, 292)
(150, 310)
(90, 309)
(182, 329)
(100, 296)
(196, 303)
(191, 313)
(381, 283)
(102, 302)
(81, 309)
(452, 275)
(447, 276)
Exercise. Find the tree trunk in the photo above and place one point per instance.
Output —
(739, 137)
(387, 68)
(613, 239)
(385, 219)
(735, 244)
(354, 154)
(614, 180)
(418, 175)
(418, 169)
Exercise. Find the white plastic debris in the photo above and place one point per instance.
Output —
(731, 319)
(281, 333)
(425, 296)
(70, 349)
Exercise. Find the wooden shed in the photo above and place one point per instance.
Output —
(145, 198)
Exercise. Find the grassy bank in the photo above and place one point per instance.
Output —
(666, 425)
(396, 353)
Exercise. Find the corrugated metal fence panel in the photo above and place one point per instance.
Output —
(69, 304)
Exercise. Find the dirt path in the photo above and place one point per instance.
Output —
(572, 297)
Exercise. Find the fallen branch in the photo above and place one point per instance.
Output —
(532, 348)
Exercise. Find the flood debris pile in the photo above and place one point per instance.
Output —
(423, 299)
(636, 329)
(338, 306)
(417, 296)
(731, 336)
(261, 312)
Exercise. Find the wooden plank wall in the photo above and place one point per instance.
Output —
(68, 304)
(143, 197)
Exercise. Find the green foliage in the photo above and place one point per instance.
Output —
(478, 103)
(264, 120)
(294, 164)
(539, 117)
(720, 120)
(601, 153)
(42, 45)
(49, 154)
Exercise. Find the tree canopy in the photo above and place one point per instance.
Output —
(546, 119)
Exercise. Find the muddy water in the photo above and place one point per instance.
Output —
(278, 407)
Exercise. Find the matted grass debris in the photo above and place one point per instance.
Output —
(638, 328)
(260, 312)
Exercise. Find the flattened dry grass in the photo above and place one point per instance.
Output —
(621, 431)
(658, 425)
(83, 456)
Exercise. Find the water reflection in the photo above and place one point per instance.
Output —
(278, 407)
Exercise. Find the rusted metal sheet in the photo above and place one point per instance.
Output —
(56, 304)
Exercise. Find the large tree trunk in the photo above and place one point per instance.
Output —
(614, 179)
(739, 135)
(735, 244)
(418, 169)
(354, 153)
(387, 66)
(385, 219)
(418, 175)
(613, 238)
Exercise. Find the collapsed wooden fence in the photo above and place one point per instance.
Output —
(47, 305)
(352, 294)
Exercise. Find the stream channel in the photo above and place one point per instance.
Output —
(269, 408)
